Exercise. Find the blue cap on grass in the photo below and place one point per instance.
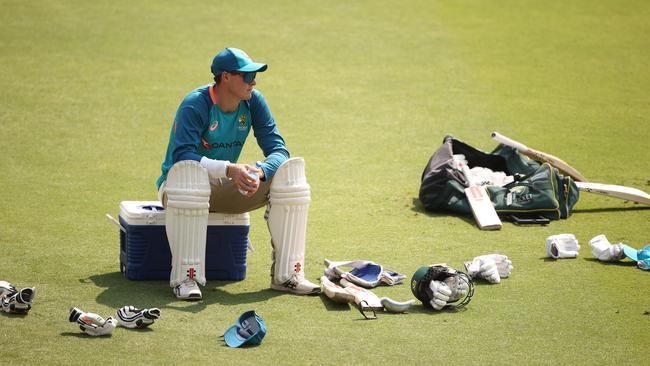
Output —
(249, 329)
(234, 59)
(641, 257)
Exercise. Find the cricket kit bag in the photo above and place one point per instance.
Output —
(538, 190)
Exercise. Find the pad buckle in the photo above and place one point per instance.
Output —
(368, 310)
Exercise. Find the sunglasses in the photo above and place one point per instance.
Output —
(247, 76)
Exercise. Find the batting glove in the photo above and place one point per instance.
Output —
(91, 323)
(441, 293)
(132, 317)
(490, 267)
(6, 289)
(458, 288)
(16, 302)
(605, 251)
(562, 246)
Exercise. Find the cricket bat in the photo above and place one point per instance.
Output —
(540, 156)
(612, 190)
(479, 202)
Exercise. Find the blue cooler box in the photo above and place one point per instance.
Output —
(144, 250)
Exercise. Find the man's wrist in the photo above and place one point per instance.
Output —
(215, 168)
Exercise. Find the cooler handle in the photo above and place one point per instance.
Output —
(117, 223)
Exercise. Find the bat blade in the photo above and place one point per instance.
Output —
(484, 213)
(616, 191)
(540, 156)
(479, 202)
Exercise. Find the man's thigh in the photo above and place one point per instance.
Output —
(225, 197)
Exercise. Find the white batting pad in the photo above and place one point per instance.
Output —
(366, 299)
(364, 273)
(336, 292)
(396, 306)
(287, 221)
(186, 220)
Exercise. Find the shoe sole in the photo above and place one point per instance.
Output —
(190, 298)
(315, 291)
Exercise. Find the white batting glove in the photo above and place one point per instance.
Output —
(490, 267)
(91, 323)
(441, 293)
(131, 317)
(605, 251)
(6, 289)
(16, 302)
(458, 288)
(562, 246)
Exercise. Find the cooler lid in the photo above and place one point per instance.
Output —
(153, 213)
(143, 212)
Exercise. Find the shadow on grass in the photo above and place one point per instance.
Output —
(417, 308)
(83, 335)
(419, 209)
(332, 305)
(13, 315)
(620, 263)
(612, 209)
(118, 291)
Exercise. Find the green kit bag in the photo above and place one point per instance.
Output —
(539, 190)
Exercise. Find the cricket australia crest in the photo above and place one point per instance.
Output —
(242, 122)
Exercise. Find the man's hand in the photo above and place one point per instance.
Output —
(241, 175)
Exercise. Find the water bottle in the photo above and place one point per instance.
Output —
(252, 175)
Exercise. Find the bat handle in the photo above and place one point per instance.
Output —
(468, 175)
(509, 142)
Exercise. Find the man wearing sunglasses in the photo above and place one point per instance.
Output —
(200, 173)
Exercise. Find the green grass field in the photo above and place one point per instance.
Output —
(365, 91)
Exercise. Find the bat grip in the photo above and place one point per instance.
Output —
(468, 175)
(509, 142)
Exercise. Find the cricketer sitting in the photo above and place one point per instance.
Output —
(200, 174)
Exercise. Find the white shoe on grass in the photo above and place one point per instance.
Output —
(297, 285)
(188, 290)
